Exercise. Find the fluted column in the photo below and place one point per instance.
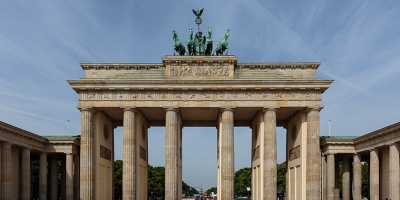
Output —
(227, 154)
(357, 177)
(87, 155)
(374, 175)
(26, 174)
(69, 178)
(394, 174)
(53, 178)
(6, 172)
(129, 154)
(313, 171)
(324, 175)
(43, 176)
(171, 154)
(330, 179)
(346, 179)
(270, 173)
(76, 176)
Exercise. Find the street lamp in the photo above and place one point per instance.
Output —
(248, 192)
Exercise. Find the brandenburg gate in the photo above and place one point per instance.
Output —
(201, 91)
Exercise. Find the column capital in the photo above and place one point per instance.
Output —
(314, 108)
(272, 108)
(227, 109)
(90, 109)
(175, 109)
(133, 109)
(373, 149)
(26, 148)
(393, 144)
(6, 143)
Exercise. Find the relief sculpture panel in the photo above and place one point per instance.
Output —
(187, 95)
(181, 71)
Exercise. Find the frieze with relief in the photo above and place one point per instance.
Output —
(181, 71)
(188, 95)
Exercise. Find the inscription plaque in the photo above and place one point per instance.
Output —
(105, 153)
(294, 153)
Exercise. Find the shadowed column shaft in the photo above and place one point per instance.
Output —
(87, 152)
(53, 178)
(227, 155)
(76, 176)
(270, 173)
(69, 178)
(346, 179)
(26, 174)
(129, 154)
(330, 179)
(374, 175)
(313, 171)
(171, 155)
(357, 177)
(394, 174)
(43, 176)
(6, 170)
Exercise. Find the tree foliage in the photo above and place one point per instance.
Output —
(242, 180)
(281, 177)
(211, 190)
(364, 179)
(118, 179)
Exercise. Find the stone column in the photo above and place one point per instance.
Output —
(374, 175)
(76, 176)
(69, 178)
(171, 154)
(346, 179)
(6, 172)
(357, 189)
(227, 154)
(129, 155)
(313, 171)
(26, 174)
(337, 184)
(43, 176)
(394, 174)
(324, 175)
(269, 162)
(62, 190)
(53, 178)
(330, 179)
(87, 155)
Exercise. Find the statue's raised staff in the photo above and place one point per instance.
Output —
(223, 45)
(190, 43)
(178, 47)
(209, 42)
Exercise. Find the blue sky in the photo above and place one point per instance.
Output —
(43, 42)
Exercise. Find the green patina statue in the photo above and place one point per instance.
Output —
(190, 43)
(178, 47)
(200, 45)
(223, 45)
(209, 42)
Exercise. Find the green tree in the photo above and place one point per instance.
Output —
(364, 179)
(118, 179)
(281, 177)
(211, 190)
(242, 180)
(156, 180)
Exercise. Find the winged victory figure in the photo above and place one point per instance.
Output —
(198, 12)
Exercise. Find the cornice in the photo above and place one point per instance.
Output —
(22, 132)
(378, 133)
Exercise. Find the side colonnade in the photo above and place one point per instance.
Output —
(378, 149)
(21, 150)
